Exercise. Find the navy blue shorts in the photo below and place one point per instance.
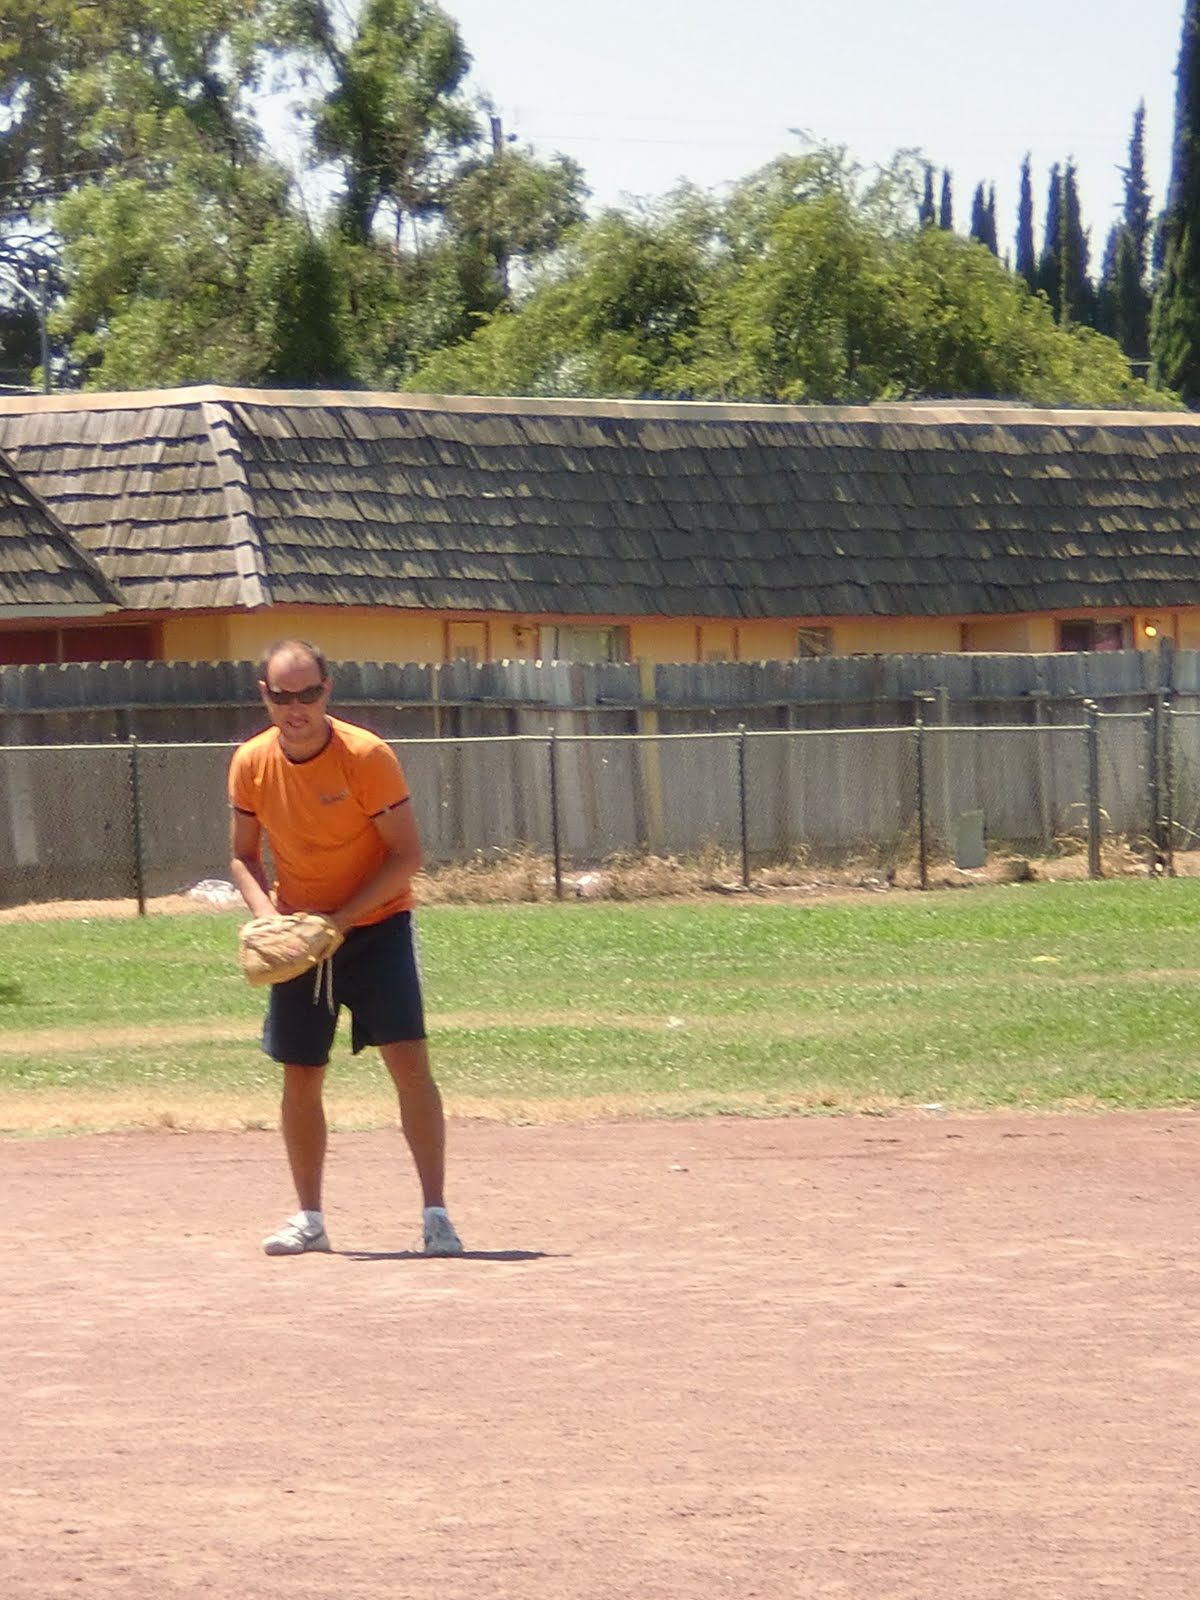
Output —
(375, 977)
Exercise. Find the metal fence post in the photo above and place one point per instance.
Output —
(1154, 781)
(922, 808)
(135, 804)
(742, 818)
(555, 837)
(1092, 736)
(1168, 783)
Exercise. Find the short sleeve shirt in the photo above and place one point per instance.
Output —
(318, 815)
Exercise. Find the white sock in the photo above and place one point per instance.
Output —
(437, 1211)
(313, 1219)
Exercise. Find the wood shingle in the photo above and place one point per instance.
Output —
(43, 572)
(203, 499)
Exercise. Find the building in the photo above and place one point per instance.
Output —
(416, 528)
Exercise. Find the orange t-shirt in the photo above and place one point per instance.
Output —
(318, 814)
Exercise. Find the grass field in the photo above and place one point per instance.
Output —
(1031, 996)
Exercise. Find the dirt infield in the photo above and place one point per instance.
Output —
(931, 1358)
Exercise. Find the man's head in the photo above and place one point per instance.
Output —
(293, 680)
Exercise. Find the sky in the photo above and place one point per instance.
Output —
(645, 94)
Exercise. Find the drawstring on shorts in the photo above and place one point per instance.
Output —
(323, 978)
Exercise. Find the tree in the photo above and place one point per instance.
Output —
(166, 281)
(806, 285)
(178, 249)
(93, 94)
(393, 117)
(1124, 295)
(1175, 321)
(983, 218)
(927, 214)
(1026, 259)
(1138, 207)
(1049, 278)
(504, 210)
(1076, 295)
(946, 208)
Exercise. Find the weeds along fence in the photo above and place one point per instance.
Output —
(145, 820)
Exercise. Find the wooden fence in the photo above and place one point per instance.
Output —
(186, 702)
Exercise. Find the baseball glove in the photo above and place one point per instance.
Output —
(274, 949)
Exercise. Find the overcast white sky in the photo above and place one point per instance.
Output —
(645, 92)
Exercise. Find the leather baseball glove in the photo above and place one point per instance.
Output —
(274, 949)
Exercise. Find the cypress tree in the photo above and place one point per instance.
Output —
(946, 209)
(1049, 275)
(983, 217)
(927, 212)
(1106, 288)
(1137, 192)
(1175, 322)
(1026, 257)
(1078, 296)
(1131, 302)
(1124, 300)
(979, 214)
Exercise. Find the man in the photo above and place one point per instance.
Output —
(331, 801)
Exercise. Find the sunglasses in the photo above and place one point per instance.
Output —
(287, 697)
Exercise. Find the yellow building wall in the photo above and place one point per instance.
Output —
(187, 638)
(362, 634)
(343, 634)
(896, 636)
(999, 634)
(663, 639)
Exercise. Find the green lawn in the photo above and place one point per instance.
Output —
(1026, 996)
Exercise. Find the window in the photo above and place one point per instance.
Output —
(466, 641)
(812, 642)
(585, 644)
(716, 642)
(1078, 634)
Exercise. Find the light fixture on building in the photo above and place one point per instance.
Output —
(1150, 629)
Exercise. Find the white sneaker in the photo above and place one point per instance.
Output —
(295, 1237)
(440, 1237)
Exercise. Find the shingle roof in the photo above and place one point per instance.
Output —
(201, 498)
(42, 572)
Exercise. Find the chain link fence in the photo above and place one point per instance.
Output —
(1121, 790)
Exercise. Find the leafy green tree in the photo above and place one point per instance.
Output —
(1175, 320)
(805, 285)
(99, 93)
(394, 115)
(160, 276)
(505, 210)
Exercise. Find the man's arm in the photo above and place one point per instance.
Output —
(246, 863)
(397, 827)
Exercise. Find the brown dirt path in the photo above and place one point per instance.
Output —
(864, 1358)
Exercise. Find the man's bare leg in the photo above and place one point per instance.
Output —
(421, 1114)
(302, 1117)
